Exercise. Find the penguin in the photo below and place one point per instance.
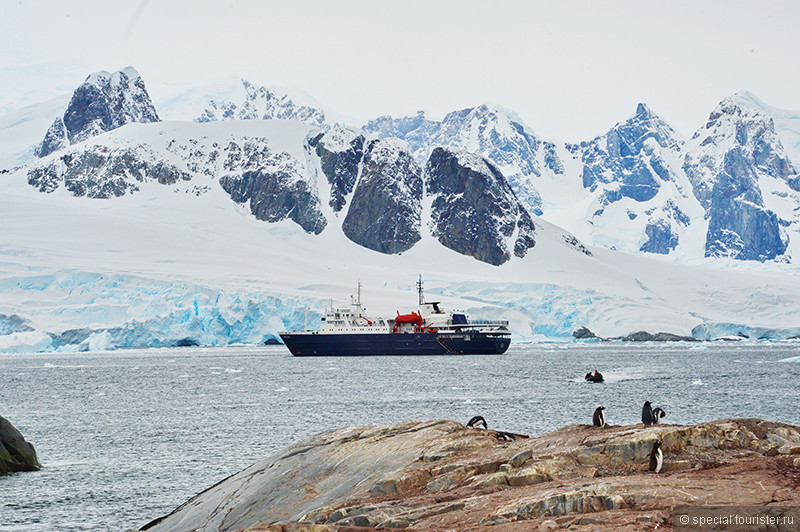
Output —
(656, 457)
(647, 414)
(658, 413)
(477, 422)
(505, 436)
(599, 420)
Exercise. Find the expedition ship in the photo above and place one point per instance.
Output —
(429, 331)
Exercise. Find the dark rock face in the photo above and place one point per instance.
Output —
(385, 212)
(474, 210)
(108, 101)
(13, 324)
(275, 195)
(660, 238)
(16, 454)
(583, 334)
(102, 103)
(54, 140)
(739, 226)
(340, 151)
(731, 154)
(102, 172)
(274, 185)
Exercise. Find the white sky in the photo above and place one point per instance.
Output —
(570, 69)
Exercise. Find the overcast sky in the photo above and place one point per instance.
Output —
(570, 69)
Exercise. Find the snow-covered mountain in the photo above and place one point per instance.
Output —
(182, 260)
(638, 198)
(228, 231)
(641, 187)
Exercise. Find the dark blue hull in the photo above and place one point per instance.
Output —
(334, 345)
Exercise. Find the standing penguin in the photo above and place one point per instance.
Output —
(599, 420)
(656, 457)
(647, 414)
(477, 422)
(658, 413)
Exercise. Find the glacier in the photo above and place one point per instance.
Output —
(109, 311)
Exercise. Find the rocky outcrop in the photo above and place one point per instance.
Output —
(340, 151)
(385, 212)
(14, 323)
(103, 172)
(275, 195)
(584, 333)
(16, 454)
(439, 475)
(103, 102)
(474, 211)
(661, 237)
(638, 336)
(644, 336)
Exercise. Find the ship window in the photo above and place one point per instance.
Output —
(459, 319)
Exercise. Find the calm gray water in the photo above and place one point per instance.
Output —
(127, 436)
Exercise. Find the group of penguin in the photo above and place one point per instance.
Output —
(477, 422)
(650, 416)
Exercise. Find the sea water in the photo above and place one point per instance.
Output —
(127, 436)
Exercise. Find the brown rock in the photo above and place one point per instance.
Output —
(442, 476)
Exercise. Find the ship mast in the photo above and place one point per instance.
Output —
(419, 291)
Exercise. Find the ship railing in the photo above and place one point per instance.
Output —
(481, 324)
(496, 323)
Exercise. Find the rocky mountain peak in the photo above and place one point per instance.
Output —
(630, 154)
(490, 131)
(643, 111)
(103, 102)
(247, 101)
